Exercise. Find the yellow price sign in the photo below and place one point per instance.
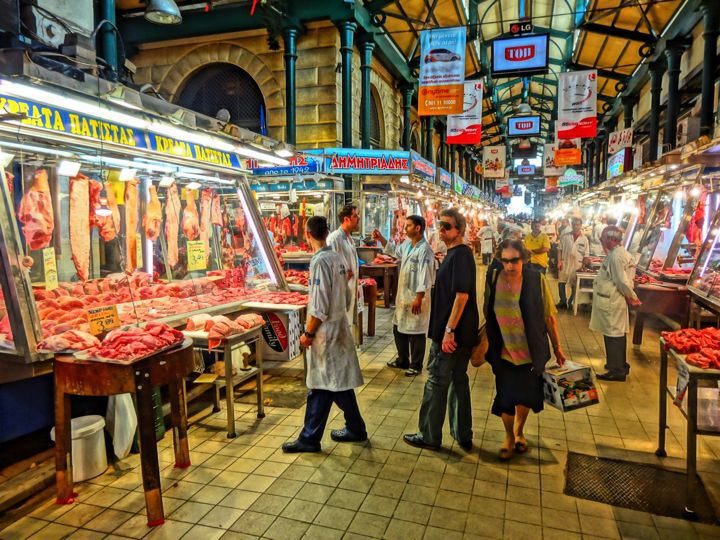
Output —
(196, 255)
(50, 269)
(103, 319)
(139, 250)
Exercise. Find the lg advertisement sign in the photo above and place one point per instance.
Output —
(524, 55)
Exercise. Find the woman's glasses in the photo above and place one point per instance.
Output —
(513, 260)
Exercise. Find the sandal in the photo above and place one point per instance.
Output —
(521, 447)
(505, 454)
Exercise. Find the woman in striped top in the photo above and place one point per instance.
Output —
(520, 315)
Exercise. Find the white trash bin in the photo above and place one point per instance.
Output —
(89, 458)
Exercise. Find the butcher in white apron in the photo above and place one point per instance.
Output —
(333, 370)
(572, 251)
(612, 293)
(412, 305)
(342, 243)
(486, 235)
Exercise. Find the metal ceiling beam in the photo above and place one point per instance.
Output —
(614, 31)
(373, 6)
(606, 73)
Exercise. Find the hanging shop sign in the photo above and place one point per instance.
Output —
(616, 164)
(551, 184)
(619, 140)
(444, 179)
(71, 123)
(568, 152)
(174, 147)
(422, 168)
(466, 128)
(458, 184)
(468, 190)
(577, 105)
(494, 162)
(299, 164)
(550, 166)
(571, 178)
(307, 185)
(371, 162)
(442, 71)
(502, 185)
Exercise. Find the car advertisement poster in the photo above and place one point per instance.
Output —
(550, 166)
(568, 152)
(442, 71)
(619, 140)
(494, 162)
(577, 105)
(466, 128)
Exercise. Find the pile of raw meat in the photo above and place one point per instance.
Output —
(220, 327)
(384, 259)
(128, 345)
(691, 340)
(367, 282)
(297, 277)
(286, 298)
(677, 271)
(642, 279)
(72, 340)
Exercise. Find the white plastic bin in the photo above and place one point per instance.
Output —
(89, 458)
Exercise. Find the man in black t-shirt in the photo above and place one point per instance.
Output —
(454, 322)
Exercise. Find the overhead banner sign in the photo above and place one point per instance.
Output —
(444, 178)
(571, 178)
(422, 168)
(619, 140)
(442, 71)
(466, 128)
(550, 167)
(568, 152)
(494, 162)
(577, 105)
(299, 164)
(372, 162)
(502, 185)
(458, 183)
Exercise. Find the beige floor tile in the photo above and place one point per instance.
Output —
(598, 526)
(412, 511)
(356, 482)
(221, 517)
(270, 504)
(484, 526)
(239, 498)
(437, 533)
(79, 515)
(254, 523)
(286, 529)
(560, 519)
(336, 518)
(327, 477)
(492, 490)
(228, 479)
(556, 534)
(135, 527)
(53, 531)
(256, 483)
(84, 534)
(23, 528)
(211, 494)
(319, 532)
(298, 472)
(404, 530)
(201, 532)
(514, 530)
(457, 483)
(191, 511)
(369, 525)
(108, 520)
(388, 488)
(233, 535)
(637, 531)
(447, 519)
(170, 530)
(300, 510)
(182, 490)
(346, 498)
(381, 506)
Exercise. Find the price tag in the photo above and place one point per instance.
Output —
(50, 268)
(138, 250)
(103, 319)
(196, 255)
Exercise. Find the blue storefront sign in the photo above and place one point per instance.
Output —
(444, 179)
(308, 185)
(458, 184)
(299, 164)
(362, 161)
(422, 168)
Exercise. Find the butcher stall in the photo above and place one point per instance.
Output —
(119, 227)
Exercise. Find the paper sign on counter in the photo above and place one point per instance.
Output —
(50, 269)
(196, 256)
(103, 319)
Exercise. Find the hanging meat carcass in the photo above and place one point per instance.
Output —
(172, 223)
(153, 216)
(80, 224)
(36, 212)
(131, 223)
(191, 220)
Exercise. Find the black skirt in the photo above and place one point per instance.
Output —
(516, 385)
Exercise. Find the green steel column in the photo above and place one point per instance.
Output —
(451, 165)
(442, 129)
(711, 26)
(290, 35)
(428, 138)
(657, 69)
(407, 92)
(107, 34)
(347, 32)
(673, 54)
(366, 49)
(628, 103)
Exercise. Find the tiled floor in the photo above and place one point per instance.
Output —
(247, 488)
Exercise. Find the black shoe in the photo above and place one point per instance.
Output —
(413, 439)
(609, 376)
(396, 364)
(560, 305)
(412, 372)
(467, 445)
(298, 446)
(345, 435)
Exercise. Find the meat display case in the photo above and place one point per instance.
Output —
(705, 278)
(113, 217)
(636, 228)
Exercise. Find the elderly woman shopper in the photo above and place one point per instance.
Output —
(518, 339)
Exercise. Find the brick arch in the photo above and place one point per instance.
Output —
(195, 59)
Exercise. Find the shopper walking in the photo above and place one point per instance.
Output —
(538, 244)
(342, 243)
(412, 305)
(333, 369)
(518, 350)
(486, 235)
(453, 331)
(572, 251)
(612, 293)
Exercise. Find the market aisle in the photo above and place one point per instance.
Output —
(246, 488)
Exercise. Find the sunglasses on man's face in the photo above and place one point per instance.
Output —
(513, 260)
(445, 226)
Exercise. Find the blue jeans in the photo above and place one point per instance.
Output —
(447, 386)
(319, 403)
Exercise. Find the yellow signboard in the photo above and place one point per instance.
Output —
(139, 250)
(196, 255)
(50, 269)
(103, 319)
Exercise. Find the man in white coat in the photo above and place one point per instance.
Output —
(333, 370)
(612, 293)
(572, 251)
(412, 305)
(342, 243)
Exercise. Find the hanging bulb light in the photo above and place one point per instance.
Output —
(163, 12)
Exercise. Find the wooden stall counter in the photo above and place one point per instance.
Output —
(388, 272)
(667, 299)
(89, 378)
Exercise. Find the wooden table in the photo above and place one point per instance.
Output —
(583, 284)
(370, 296)
(88, 378)
(698, 422)
(389, 274)
(230, 344)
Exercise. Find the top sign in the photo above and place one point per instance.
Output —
(521, 27)
(520, 55)
(526, 170)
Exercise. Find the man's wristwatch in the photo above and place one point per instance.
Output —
(449, 330)
(308, 335)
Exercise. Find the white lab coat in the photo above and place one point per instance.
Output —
(572, 253)
(486, 239)
(417, 274)
(614, 282)
(344, 246)
(596, 248)
(332, 361)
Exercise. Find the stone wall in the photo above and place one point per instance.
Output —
(168, 66)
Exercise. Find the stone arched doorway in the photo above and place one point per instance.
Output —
(377, 120)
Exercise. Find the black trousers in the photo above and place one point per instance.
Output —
(540, 268)
(562, 293)
(616, 355)
(319, 403)
(410, 348)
